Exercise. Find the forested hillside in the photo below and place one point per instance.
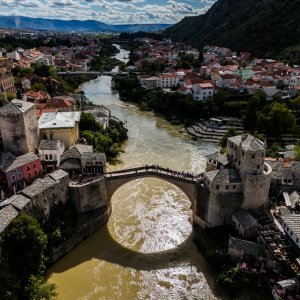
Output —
(267, 28)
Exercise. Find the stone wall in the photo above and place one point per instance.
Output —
(31, 129)
(87, 225)
(89, 196)
(256, 190)
(14, 134)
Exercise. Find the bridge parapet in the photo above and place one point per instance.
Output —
(157, 171)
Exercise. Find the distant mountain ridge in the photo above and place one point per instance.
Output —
(264, 27)
(74, 25)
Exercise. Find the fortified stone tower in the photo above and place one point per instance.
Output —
(247, 155)
(19, 127)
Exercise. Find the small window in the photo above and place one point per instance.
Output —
(297, 240)
(258, 167)
(13, 177)
(233, 187)
(35, 172)
(29, 175)
(217, 187)
(46, 156)
(243, 153)
(253, 156)
(262, 155)
(50, 156)
(227, 187)
(291, 233)
(28, 168)
(19, 175)
(34, 165)
(239, 163)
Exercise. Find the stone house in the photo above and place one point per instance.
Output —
(50, 152)
(243, 183)
(216, 161)
(18, 172)
(237, 248)
(244, 223)
(63, 126)
(81, 160)
(23, 138)
(37, 199)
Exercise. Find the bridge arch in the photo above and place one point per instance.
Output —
(185, 182)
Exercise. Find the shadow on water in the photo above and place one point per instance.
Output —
(102, 246)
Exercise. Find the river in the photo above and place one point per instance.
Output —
(146, 249)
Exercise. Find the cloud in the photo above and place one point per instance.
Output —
(111, 12)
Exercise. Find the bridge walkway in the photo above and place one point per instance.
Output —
(156, 171)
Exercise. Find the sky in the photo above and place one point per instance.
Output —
(108, 11)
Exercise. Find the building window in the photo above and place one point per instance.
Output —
(258, 167)
(297, 240)
(50, 156)
(35, 172)
(29, 175)
(34, 165)
(243, 153)
(19, 175)
(239, 163)
(28, 168)
(13, 177)
(253, 156)
(262, 155)
(233, 187)
(227, 187)
(46, 156)
(291, 233)
(217, 187)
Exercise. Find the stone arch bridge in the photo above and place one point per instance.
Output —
(186, 182)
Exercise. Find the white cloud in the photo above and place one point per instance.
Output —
(112, 12)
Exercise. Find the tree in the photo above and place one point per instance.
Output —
(297, 152)
(229, 133)
(38, 86)
(23, 244)
(277, 121)
(10, 96)
(38, 289)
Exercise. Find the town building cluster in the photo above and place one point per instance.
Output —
(220, 68)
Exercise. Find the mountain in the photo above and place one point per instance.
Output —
(74, 25)
(263, 27)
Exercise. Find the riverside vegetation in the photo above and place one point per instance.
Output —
(107, 140)
(272, 118)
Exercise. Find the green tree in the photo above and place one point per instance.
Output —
(23, 244)
(229, 133)
(10, 96)
(38, 289)
(38, 86)
(277, 121)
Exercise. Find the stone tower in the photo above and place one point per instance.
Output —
(19, 127)
(247, 155)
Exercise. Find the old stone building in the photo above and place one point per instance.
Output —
(19, 128)
(241, 179)
(37, 199)
(81, 160)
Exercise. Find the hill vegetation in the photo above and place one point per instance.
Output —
(267, 28)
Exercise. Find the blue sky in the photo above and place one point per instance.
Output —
(108, 11)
